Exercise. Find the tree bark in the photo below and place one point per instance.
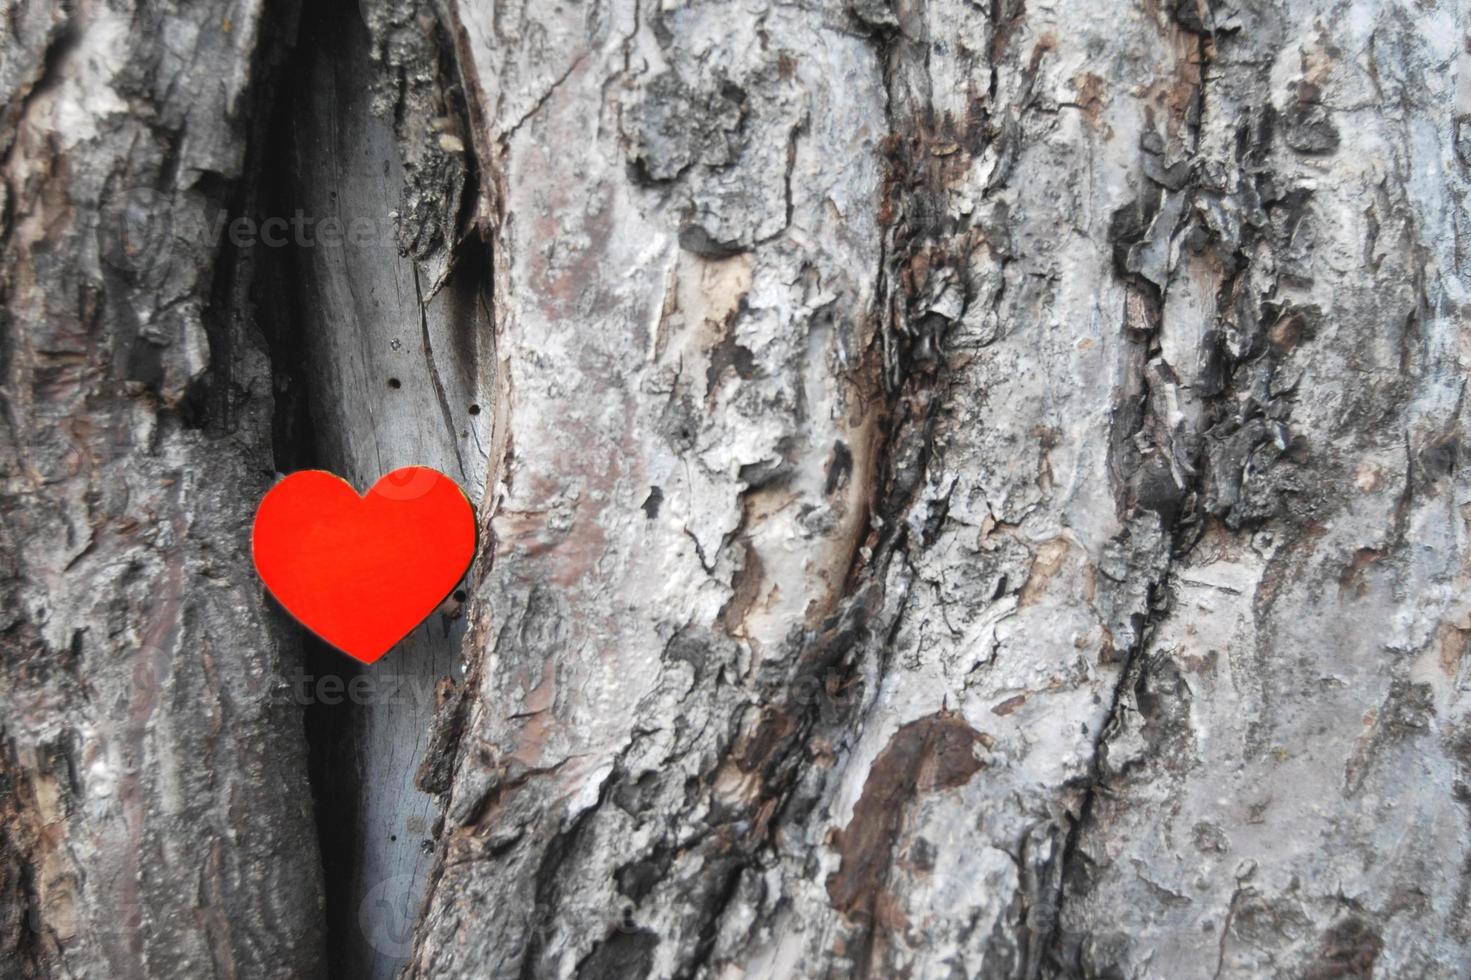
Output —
(155, 815)
(965, 489)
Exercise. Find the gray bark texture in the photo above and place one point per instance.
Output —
(966, 489)
(155, 814)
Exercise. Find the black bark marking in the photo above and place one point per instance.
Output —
(653, 502)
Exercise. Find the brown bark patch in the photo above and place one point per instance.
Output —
(934, 753)
(745, 591)
(1453, 638)
(1091, 90)
(38, 891)
(1045, 567)
(1287, 332)
(775, 727)
(1009, 705)
(1352, 577)
(1348, 949)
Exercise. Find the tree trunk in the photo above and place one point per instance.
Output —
(965, 490)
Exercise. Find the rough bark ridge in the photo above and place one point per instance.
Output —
(685, 305)
(156, 817)
(914, 541)
(1284, 791)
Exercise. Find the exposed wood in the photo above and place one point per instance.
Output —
(394, 336)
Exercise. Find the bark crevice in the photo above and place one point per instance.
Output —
(380, 308)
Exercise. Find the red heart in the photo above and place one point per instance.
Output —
(362, 571)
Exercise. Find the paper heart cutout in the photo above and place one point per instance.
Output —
(362, 571)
